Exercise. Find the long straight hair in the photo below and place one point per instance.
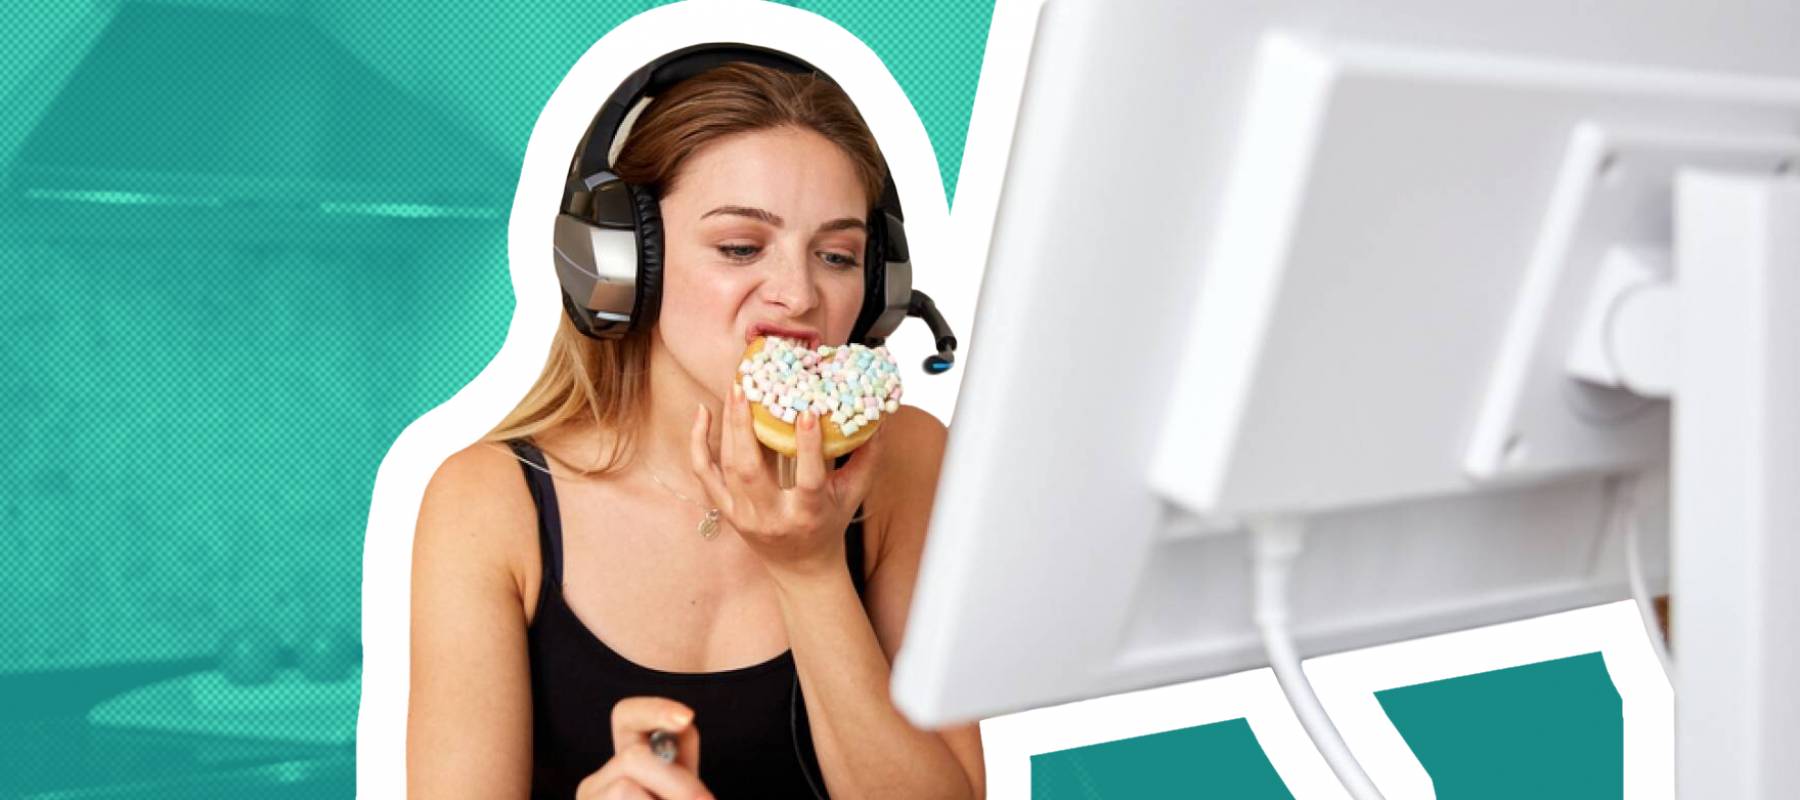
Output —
(608, 382)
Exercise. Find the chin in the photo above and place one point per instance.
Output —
(709, 368)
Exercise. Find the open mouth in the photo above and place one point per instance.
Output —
(807, 338)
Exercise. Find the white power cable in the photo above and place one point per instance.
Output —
(1622, 512)
(1274, 545)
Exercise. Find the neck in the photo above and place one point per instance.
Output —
(662, 442)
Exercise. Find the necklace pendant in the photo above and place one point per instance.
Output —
(709, 524)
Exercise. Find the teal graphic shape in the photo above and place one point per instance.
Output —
(1221, 760)
(1549, 730)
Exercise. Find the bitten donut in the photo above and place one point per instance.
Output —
(850, 388)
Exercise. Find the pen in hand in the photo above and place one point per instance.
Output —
(662, 743)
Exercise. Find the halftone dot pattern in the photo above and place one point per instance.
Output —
(498, 65)
(936, 56)
(198, 396)
(192, 452)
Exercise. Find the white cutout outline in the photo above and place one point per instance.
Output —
(475, 408)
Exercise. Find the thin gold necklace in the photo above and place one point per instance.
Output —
(709, 524)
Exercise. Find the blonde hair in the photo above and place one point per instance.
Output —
(608, 382)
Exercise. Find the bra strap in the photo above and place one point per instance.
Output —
(853, 548)
(543, 495)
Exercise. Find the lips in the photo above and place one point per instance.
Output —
(809, 338)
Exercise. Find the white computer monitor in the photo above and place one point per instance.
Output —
(1325, 261)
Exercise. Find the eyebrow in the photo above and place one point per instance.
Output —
(842, 223)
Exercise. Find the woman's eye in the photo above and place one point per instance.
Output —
(738, 252)
(840, 260)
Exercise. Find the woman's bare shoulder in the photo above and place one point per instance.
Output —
(477, 509)
(912, 451)
(917, 440)
(482, 464)
(468, 633)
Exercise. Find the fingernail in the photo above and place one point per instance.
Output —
(679, 718)
(737, 393)
(806, 420)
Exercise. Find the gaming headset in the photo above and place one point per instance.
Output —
(609, 235)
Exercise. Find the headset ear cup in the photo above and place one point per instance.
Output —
(649, 226)
(579, 317)
(874, 279)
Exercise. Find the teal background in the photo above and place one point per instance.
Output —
(200, 378)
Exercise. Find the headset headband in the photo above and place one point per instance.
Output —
(656, 77)
(595, 201)
(650, 81)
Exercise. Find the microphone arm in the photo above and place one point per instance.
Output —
(921, 306)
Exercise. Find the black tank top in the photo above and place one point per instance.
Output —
(754, 736)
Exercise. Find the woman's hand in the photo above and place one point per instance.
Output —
(634, 772)
(795, 531)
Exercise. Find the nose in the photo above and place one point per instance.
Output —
(791, 283)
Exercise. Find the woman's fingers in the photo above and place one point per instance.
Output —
(809, 439)
(746, 459)
(851, 484)
(687, 748)
(727, 453)
(614, 789)
(664, 780)
(633, 718)
(701, 463)
(637, 767)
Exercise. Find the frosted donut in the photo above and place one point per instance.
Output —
(850, 387)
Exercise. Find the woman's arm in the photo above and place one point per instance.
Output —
(469, 718)
(843, 653)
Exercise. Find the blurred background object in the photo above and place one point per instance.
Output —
(238, 262)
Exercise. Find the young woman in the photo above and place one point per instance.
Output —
(565, 603)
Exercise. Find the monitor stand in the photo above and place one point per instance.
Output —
(1735, 554)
